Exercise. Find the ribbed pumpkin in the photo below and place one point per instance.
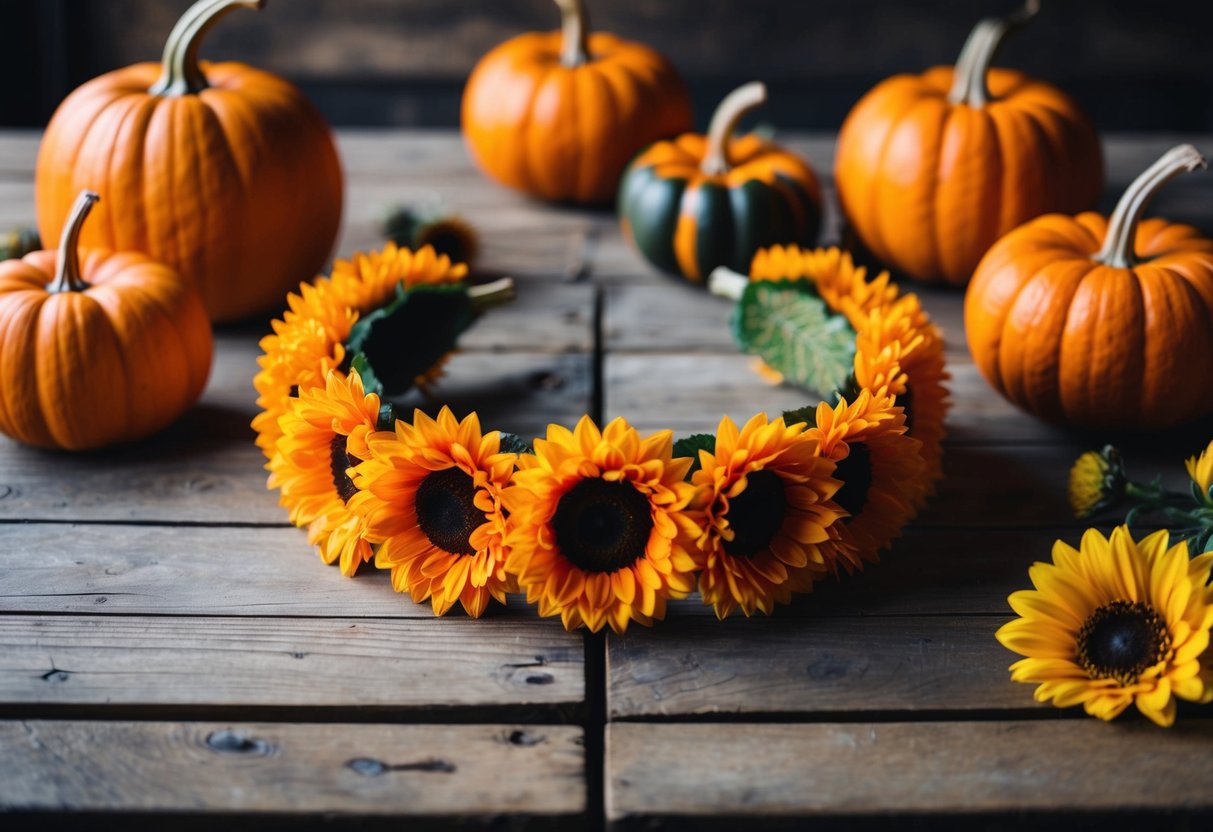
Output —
(1100, 322)
(698, 202)
(559, 115)
(223, 172)
(932, 169)
(96, 347)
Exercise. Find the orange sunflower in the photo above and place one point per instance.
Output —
(599, 530)
(368, 279)
(297, 355)
(767, 513)
(430, 494)
(324, 434)
(881, 470)
(842, 285)
(309, 339)
(901, 351)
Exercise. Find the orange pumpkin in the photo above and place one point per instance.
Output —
(96, 347)
(1100, 322)
(932, 169)
(221, 171)
(559, 115)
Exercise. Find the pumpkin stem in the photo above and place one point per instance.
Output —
(1117, 250)
(724, 121)
(574, 32)
(726, 283)
(180, 73)
(67, 274)
(488, 295)
(969, 81)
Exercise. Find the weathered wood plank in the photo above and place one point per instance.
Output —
(397, 665)
(94, 569)
(100, 569)
(814, 665)
(657, 772)
(467, 771)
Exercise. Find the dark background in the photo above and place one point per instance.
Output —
(1133, 65)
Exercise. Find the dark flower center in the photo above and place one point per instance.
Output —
(447, 240)
(906, 400)
(342, 459)
(446, 510)
(602, 526)
(1121, 640)
(856, 474)
(756, 514)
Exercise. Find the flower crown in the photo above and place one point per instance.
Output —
(601, 526)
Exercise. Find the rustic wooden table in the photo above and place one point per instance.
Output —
(170, 647)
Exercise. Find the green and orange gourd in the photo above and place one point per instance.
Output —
(698, 202)
(932, 169)
(558, 115)
(223, 172)
(97, 347)
(1100, 322)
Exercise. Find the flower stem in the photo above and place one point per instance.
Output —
(1117, 250)
(724, 121)
(727, 283)
(969, 80)
(180, 73)
(67, 273)
(487, 295)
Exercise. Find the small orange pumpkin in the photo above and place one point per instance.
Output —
(932, 169)
(99, 348)
(559, 115)
(698, 202)
(223, 172)
(1100, 322)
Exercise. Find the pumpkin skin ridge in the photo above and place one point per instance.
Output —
(280, 128)
(876, 242)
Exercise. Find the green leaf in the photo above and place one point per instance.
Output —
(692, 445)
(402, 340)
(790, 327)
(807, 414)
(512, 443)
(387, 417)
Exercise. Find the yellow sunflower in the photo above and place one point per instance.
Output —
(1097, 481)
(1114, 623)
(881, 469)
(599, 530)
(1200, 469)
(324, 434)
(767, 511)
(430, 494)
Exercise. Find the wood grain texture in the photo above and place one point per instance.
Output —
(158, 570)
(466, 771)
(398, 665)
(813, 666)
(756, 771)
